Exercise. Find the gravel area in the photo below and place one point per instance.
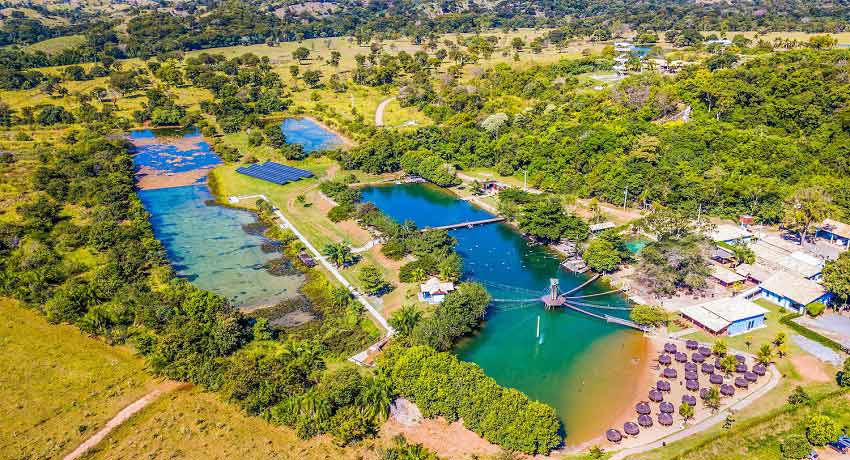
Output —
(834, 326)
(821, 352)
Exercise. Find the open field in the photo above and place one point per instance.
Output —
(56, 45)
(191, 424)
(59, 386)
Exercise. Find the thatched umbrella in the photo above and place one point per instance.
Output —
(642, 408)
(613, 435)
(759, 369)
(662, 385)
(667, 407)
(681, 357)
(689, 400)
(645, 421)
(716, 379)
(670, 347)
(631, 428)
(741, 359)
(707, 368)
(704, 393)
(741, 382)
(697, 357)
(655, 396)
(751, 376)
(692, 344)
(690, 367)
(705, 351)
(691, 375)
(727, 390)
(717, 364)
(740, 368)
(692, 385)
(665, 360)
(669, 373)
(665, 419)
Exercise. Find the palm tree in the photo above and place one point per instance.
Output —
(376, 397)
(405, 319)
(339, 254)
(313, 405)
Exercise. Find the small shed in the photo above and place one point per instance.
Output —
(602, 226)
(836, 232)
(725, 277)
(793, 292)
(435, 291)
(730, 234)
(753, 272)
(730, 316)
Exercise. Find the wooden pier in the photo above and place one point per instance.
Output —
(468, 224)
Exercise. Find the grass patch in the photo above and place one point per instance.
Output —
(59, 385)
(57, 44)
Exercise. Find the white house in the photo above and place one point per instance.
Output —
(792, 291)
(434, 291)
(729, 315)
(730, 233)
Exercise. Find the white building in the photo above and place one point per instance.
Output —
(434, 291)
(729, 316)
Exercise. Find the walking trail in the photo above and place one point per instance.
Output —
(123, 416)
(379, 112)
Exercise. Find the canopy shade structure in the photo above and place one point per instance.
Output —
(669, 373)
(656, 396)
(613, 435)
(667, 407)
(741, 382)
(741, 368)
(690, 399)
(692, 385)
(707, 368)
(705, 351)
(715, 379)
(631, 428)
(642, 408)
(665, 419)
(681, 357)
(690, 367)
(751, 376)
(692, 344)
(645, 421)
(759, 369)
(689, 375)
(698, 357)
(662, 385)
(665, 360)
(727, 390)
(704, 393)
(670, 347)
(741, 359)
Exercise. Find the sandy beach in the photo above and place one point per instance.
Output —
(148, 178)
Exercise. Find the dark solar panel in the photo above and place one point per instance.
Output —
(274, 172)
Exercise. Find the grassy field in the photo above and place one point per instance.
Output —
(190, 424)
(59, 386)
(56, 45)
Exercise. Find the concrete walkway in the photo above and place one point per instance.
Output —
(286, 224)
(379, 112)
(775, 377)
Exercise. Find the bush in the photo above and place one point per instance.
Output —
(602, 256)
(815, 308)
(821, 430)
(442, 385)
(341, 212)
(456, 316)
(648, 315)
(795, 447)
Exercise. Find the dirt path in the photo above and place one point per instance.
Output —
(379, 112)
(122, 417)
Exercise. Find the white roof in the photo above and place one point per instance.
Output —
(794, 287)
(718, 314)
(729, 232)
(835, 227)
(801, 263)
(602, 226)
(725, 275)
(754, 271)
(434, 285)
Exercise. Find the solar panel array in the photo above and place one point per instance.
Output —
(275, 173)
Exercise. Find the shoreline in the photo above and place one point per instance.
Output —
(347, 141)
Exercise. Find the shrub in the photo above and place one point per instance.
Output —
(815, 308)
(795, 446)
(648, 315)
(821, 429)
(601, 255)
(341, 212)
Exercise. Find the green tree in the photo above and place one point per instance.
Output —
(334, 59)
(836, 276)
(815, 308)
(372, 280)
(806, 207)
(601, 255)
(844, 374)
(375, 397)
(301, 54)
(686, 411)
(339, 254)
(713, 399)
(451, 268)
(799, 397)
(649, 315)
(546, 220)
(313, 78)
(728, 363)
(719, 348)
(821, 429)
(765, 355)
(405, 319)
(795, 446)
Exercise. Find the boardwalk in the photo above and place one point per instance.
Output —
(468, 224)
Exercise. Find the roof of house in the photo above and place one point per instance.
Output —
(725, 275)
(602, 226)
(799, 262)
(729, 232)
(836, 228)
(436, 287)
(794, 287)
(754, 271)
(720, 313)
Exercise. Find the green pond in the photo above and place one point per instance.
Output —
(584, 367)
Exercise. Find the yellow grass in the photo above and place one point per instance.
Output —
(56, 45)
(59, 386)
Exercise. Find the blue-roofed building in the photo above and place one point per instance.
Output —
(835, 232)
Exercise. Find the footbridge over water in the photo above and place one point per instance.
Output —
(467, 224)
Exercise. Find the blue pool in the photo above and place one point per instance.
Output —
(310, 135)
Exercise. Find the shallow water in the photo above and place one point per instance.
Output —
(309, 134)
(205, 242)
(581, 366)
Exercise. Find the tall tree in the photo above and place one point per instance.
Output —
(806, 207)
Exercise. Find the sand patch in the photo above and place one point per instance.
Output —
(182, 143)
(149, 178)
(810, 368)
(448, 440)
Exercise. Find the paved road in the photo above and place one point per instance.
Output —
(775, 377)
(285, 223)
(379, 112)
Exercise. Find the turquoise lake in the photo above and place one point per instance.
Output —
(206, 243)
(310, 135)
(579, 365)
